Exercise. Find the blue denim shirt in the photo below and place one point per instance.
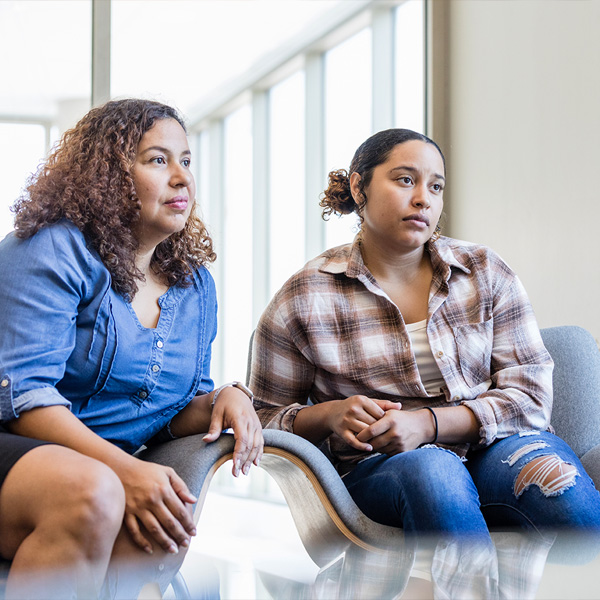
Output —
(66, 338)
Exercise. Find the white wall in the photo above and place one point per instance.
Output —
(523, 126)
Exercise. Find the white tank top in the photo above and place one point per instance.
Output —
(428, 370)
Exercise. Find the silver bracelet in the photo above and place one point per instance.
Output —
(237, 384)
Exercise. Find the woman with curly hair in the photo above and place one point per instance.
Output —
(418, 352)
(108, 316)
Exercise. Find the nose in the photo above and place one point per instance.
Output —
(420, 197)
(181, 176)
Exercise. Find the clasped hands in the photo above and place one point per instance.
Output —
(380, 425)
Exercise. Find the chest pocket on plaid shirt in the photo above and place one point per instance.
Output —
(474, 343)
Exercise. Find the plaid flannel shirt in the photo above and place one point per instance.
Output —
(331, 332)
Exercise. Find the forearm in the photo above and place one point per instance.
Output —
(455, 424)
(194, 418)
(313, 422)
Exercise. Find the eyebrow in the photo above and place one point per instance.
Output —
(413, 170)
(163, 150)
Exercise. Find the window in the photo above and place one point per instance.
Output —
(356, 69)
(235, 299)
(410, 66)
(46, 85)
(157, 53)
(286, 184)
(348, 104)
(25, 149)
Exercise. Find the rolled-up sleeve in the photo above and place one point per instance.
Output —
(44, 282)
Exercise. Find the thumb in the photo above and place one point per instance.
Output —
(216, 427)
(389, 405)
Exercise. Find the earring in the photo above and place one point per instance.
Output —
(436, 234)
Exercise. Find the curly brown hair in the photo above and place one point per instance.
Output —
(87, 179)
(337, 198)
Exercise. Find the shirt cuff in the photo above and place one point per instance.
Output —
(37, 398)
(488, 428)
(162, 436)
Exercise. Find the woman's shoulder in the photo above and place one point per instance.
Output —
(311, 281)
(202, 276)
(469, 255)
(59, 248)
(62, 236)
(317, 269)
(331, 261)
(202, 283)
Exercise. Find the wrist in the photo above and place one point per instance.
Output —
(433, 429)
(235, 384)
(316, 422)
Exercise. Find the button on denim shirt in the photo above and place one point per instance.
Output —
(66, 338)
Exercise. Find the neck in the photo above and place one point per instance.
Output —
(394, 267)
(143, 257)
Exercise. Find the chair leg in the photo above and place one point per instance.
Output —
(328, 577)
(377, 576)
(180, 588)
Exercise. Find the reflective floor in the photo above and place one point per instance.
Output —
(255, 549)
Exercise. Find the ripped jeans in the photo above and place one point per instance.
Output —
(531, 481)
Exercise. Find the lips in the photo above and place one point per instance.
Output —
(419, 218)
(178, 203)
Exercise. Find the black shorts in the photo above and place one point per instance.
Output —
(12, 448)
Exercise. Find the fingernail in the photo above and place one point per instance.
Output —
(185, 543)
(173, 549)
(369, 448)
(148, 549)
(245, 469)
(193, 532)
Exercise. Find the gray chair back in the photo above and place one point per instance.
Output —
(576, 383)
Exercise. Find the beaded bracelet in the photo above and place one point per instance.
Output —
(435, 421)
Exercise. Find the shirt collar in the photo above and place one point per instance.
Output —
(348, 259)
(345, 259)
(445, 254)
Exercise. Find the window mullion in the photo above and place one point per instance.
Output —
(315, 239)
(216, 200)
(260, 203)
(383, 36)
(101, 25)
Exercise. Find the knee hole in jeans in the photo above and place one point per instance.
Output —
(550, 473)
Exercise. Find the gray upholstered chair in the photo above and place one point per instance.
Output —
(336, 534)
(576, 380)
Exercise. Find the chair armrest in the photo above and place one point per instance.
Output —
(326, 517)
(591, 463)
(194, 460)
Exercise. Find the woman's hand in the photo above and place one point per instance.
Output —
(156, 499)
(399, 431)
(157, 506)
(349, 417)
(234, 409)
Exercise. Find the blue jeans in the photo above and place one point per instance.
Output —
(430, 490)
